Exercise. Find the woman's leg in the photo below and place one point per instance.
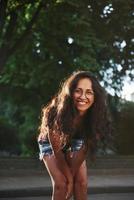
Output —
(80, 183)
(58, 180)
(80, 175)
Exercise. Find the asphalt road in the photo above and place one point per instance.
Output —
(108, 196)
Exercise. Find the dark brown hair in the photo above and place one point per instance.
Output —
(59, 114)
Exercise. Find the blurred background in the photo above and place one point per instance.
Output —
(42, 42)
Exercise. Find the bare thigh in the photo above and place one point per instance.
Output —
(79, 168)
(76, 159)
(53, 169)
(81, 175)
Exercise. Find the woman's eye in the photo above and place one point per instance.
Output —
(77, 91)
(90, 93)
(80, 92)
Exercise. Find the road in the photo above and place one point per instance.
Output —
(109, 196)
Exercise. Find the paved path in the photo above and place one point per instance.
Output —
(23, 179)
(37, 185)
(41, 181)
(119, 196)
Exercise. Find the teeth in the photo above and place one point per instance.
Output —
(82, 103)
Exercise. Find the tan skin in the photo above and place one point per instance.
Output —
(70, 177)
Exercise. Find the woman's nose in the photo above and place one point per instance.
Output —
(83, 95)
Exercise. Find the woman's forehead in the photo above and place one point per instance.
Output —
(85, 83)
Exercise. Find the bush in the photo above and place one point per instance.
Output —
(9, 140)
(125, 129)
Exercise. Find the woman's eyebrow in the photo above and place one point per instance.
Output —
(90, 89)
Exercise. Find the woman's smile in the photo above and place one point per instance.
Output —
(79, 102)
(83, 96)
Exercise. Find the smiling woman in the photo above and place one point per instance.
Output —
(71, 125)
(83, 96)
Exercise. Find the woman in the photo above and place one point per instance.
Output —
(71, 125)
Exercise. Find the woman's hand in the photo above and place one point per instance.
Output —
(69, 159)
(69, 187)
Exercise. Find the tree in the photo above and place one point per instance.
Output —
(99, 43)
(124, 131)
(41, 42)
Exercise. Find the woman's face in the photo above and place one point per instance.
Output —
(83, 96)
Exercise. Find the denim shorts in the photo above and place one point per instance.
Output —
(46, 148)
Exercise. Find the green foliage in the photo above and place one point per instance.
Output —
(41, 42)
(125, 127)
(9, 138)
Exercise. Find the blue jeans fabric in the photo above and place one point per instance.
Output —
(46, 148)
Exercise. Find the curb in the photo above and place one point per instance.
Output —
(46, 191)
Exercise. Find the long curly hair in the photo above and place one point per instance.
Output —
(58, 116)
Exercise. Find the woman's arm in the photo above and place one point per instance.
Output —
(75, 159)
(55, 141)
